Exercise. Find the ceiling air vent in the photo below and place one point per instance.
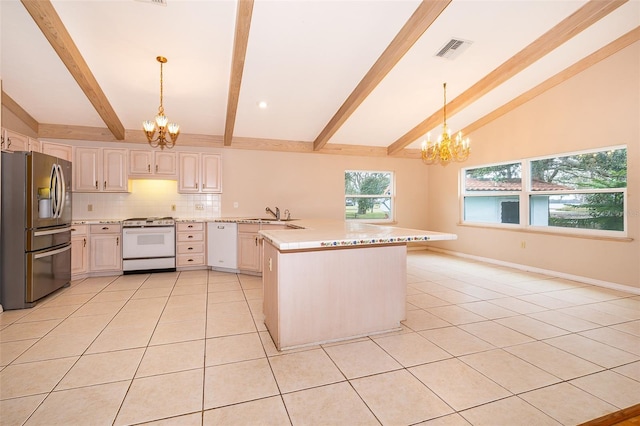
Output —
(453, 48)
(158, 2)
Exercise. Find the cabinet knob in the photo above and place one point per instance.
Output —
(190, 260)
(84, 242)
(190, 226)
(8, 142)
(105, 185)
(104, 228)
(156, 168)
(190, 236)
(190, 248)
(117, 241)
(149, 168)
(96, 184)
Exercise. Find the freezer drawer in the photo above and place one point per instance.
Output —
(47, 271)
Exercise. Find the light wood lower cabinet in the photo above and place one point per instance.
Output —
(190, 246)
(79, 251)
(250, 246)
(105, 248)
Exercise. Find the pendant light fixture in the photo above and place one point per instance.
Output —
(445, 149)
(161, 123)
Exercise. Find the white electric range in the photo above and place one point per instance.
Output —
(148, 245)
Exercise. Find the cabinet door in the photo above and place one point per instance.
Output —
(105, 253)
(79, 255)
(114, 170)
(248, 252)
(15, 141)
(165, 163)
(57, 150)
(85, 170)
(140, 162)
(189, 172)
(211, 181)
(35, 145)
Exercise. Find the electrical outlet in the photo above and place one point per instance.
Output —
(173, 207)
(199, 206)
(89, 207)
(235, 204)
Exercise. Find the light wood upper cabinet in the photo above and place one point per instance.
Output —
(35, 145)
(12, 141)
(199, 173)
(166, 163)
(146, 163)
(57, 150)
(100, 170)
(211, 173)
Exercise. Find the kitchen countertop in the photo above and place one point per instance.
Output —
(322, 234)
(95, 221)
(304, 234)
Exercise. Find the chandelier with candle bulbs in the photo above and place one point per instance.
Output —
(445, 149)
(161, 123)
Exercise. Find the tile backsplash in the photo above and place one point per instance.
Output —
(147, 198)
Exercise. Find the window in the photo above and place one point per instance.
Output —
(492, 194)
(368, 196)
(583, 191)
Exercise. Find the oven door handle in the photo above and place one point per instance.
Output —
(52, 231)
(147, 231)
(52, 252)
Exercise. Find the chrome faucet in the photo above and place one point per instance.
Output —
(276, 214)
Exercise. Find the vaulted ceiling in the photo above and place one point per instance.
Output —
(338, 76)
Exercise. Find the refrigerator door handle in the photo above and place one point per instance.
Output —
(53, 186)
(62, 185)
(52, 231)
(52, 252)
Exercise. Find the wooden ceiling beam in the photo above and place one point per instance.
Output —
(19, 112)
(578, 21)
(240, 42)
(425, 14)
(597, 56)
(47, 19)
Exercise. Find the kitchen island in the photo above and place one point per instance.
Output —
(327, 281)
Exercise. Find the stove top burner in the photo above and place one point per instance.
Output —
(149, 221)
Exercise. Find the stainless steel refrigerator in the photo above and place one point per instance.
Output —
(35, 231)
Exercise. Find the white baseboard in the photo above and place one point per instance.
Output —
(586, 280)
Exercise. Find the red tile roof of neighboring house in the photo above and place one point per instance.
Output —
(510, 185)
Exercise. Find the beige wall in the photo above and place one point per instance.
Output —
(312, 185)
(597, 108)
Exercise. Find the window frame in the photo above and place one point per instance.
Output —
(391, 196)
(524, 195)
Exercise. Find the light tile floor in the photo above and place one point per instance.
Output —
(482, 345)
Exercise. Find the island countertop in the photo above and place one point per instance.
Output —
(322, 234)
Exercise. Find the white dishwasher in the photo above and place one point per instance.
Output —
(222, 243)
